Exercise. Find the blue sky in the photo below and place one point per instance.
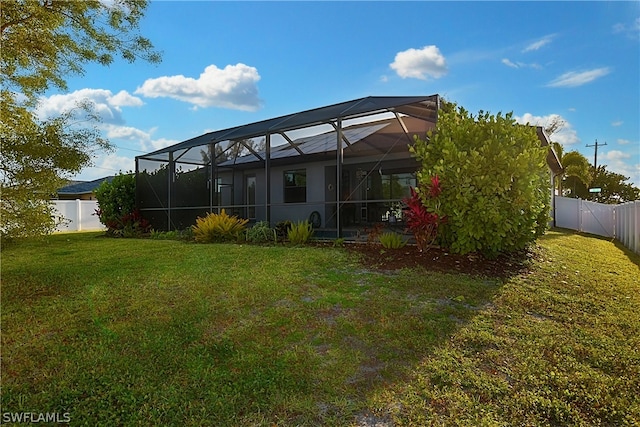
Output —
(231, 63)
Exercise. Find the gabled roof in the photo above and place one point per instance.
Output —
(84, 187)
(424, 107)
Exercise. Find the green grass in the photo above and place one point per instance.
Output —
(159, 332)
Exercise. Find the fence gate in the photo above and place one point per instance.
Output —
(621, 222)
(589, 217)
(598, 218)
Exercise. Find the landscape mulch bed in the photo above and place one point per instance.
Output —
(374, 256)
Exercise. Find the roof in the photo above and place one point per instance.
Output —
(378, 137)
(84, 187)
(424, 107)
(322, 143)
(552, 157)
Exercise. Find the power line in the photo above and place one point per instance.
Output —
(595, 157)
(129, 149)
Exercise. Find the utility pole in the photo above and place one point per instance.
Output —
(595, 157)
(595, 168)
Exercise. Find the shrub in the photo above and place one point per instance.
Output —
(261, 232)
(282, 229)
(117, 207)
(496, 194)
(420, 222)
(391, 240)
(300, 232)
(218, 228)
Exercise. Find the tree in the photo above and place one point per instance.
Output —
(42, 43)
(576, 171)
(495, 191)
(613, 188)
(555, 125)
(34, 158)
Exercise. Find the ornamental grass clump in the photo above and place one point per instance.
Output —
(391, 240)
(217, 228)
(300, 232)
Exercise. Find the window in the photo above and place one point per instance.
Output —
(391, 186)
(295, 186)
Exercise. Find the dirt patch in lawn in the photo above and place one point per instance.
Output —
(376, 257)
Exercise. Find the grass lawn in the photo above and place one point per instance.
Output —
(155, 332)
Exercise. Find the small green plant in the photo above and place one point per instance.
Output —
(300, 232)
(261, 232)
(163, 235)
(184, 235)
(338, 243)
(218, 228)
(391, 240)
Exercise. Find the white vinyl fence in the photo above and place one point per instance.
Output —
(77, 215)
(621, 222)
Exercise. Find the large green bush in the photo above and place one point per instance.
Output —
(117, 207)
(495, 184)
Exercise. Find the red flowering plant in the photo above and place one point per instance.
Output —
(131, 224)
(420, 222)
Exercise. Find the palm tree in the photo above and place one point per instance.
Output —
(576, 169)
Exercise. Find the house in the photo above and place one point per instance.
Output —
(81, 190)
(341, 166)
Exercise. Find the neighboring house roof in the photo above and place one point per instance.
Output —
(83, 187)
(424, 107)
(552, 157)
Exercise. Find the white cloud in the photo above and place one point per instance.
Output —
(508, 63)
(105, 104)
(623, 141)
(144, 139)
(573, 79)
(124, 99)
(512, 64)
(538, 43)
(127, 133)
(565, 136)
(616, 155)
(157, 144)
(617, 123)
(631, 30)
(232, 87)
(112, 163)
(420, 63)
(619, 162)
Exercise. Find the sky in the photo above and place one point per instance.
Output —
(227, 64)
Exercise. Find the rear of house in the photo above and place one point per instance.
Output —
(346, 165)
(341, 166)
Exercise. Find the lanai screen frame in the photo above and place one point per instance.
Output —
(421, 107)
